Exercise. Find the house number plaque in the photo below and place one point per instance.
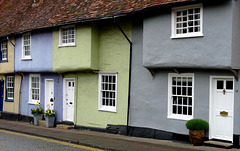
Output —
(223, 113)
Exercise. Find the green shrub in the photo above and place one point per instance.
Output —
(197, 124)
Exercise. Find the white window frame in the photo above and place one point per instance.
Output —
(26, 57)
(4, 49)
(7, 86)
(100, 104)
(187, 35)
(33, 101)
(170, 97)
(60, 37)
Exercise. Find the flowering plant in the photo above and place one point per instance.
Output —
(37, 110)
(49, 112)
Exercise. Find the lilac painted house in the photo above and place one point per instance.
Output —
(33, 60)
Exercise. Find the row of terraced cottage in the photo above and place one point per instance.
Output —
(146, 66)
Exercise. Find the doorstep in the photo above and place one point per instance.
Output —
(63, 126)
(42, 123)
(218, 144)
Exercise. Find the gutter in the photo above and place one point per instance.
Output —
(130, 69)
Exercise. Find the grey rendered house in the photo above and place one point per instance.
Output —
(185, 63)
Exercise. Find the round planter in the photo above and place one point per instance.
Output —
(50, 121)
(196, 137)
(36, 118)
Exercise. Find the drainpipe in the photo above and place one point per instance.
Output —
(130, 69)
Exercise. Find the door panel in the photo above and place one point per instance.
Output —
(69, 100)
(222, 120)
(49, 94)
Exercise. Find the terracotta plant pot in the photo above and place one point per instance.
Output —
(196, 137)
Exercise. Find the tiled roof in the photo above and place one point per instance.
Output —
(20, 15)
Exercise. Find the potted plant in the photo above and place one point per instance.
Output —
(37, 113)
(197, 128)
(50, 118)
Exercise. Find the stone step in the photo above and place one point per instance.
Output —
(62, 126)
(42, 123)
(218, 144)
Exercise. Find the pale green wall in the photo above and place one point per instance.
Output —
(114, 51)
(79, 57)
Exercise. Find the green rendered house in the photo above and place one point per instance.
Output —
(93, 60)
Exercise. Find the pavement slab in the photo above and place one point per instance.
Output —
(103, 140)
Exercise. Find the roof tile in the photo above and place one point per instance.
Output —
(19, 16)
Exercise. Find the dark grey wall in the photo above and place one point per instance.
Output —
(236, 35)
(213, 50)
(149, 96)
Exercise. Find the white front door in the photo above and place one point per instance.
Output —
(68, 105)
(49, 94)
(222, 109)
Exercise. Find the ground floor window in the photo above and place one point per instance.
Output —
(181, 98)
(34, 85)
(9, 88)
(108, 92)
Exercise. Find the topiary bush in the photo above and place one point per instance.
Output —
(197, 124)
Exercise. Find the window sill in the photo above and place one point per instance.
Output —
(33, 103)
(9, 100)
(25, 59)
(184, 118)
(3, 61)
(67, 45)
(186, 36)
(108, 110)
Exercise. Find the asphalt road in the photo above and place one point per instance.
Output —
(11, 141)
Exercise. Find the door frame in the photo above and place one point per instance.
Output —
(212, 78)
(46, 92)
(64, 97)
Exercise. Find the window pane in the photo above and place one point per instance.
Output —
(189, 110)
(182, 95)
(174, 100)
(174, 109)
(187, 18)
(108, 83)
(229, 85)
(219, 84)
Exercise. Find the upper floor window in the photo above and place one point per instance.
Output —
(9, 88)
(187, 21)
(67, 36)
(4, 50)
(108, 92)
(180, 96)
(34, 84)
(26, 42)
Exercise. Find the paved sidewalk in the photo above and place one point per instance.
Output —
(103, 140)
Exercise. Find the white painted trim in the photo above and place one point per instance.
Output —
(211, 101)
(60, 37)
(23, 55)
(45, 96)
(187, 35)
(106, 108)
(64, 97)
(30, 101)
(179, 117)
